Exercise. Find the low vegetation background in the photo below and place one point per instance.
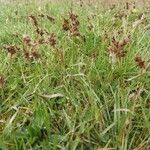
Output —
(74, 75)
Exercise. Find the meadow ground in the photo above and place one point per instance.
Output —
(74, 76)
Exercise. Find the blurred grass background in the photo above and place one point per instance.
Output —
(105, 2)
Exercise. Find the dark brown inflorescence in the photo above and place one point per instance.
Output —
(65, 25)
(50, 18)
(52, 40)
(71, 24)
(30, 48)
(11, 49)
(74, 24)
(2, 81)
(140, 62)
(34, 20)
(118, 47)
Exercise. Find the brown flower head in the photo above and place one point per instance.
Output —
(140, 62)
(74, 24)
(52, 39)
(117, 47)
(2, 81)
(50, 18)
(35, 55)
(65, 24)
(12, 49)
(27, 40)
(34, 20)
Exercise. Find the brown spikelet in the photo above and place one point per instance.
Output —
(127, 5)
(147, 105)
(73, 16)
(140, 62)
(140, 20)
(81, 3)
(74, 24)
(93, 56)
(34, 20)
(50, 18)
(26, 39)
(41, 41)
(40, 31)
(136, 93)
(90, 27)
(117, 48)
(41, 15)
(27, 55)
(65, 24)
(52, 40)
(11, 49)
(35, 55)
(2, 81)
(31, 55)
(71, 24)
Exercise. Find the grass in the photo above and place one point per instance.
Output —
(84, 88)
